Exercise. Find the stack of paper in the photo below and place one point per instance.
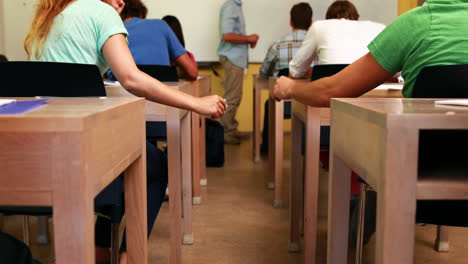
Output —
(6, 101)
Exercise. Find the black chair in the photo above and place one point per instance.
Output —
(443, 81)
(287, 115)
(29, 79)
(326, 70)
(161, 72)
(318, 72)
(156, 131)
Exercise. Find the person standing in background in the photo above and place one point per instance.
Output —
(233, 56)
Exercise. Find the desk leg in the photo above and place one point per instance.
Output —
(186, 150)
(339, 191)
(135, 210)
(311, 183)
(275, 148)
(396, 202)
(175, 203)
(196, 153)
(72, 202)
(256, 122)
(296, 186)
(203, 179)
(442, 242)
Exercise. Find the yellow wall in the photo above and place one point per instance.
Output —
(244, 114)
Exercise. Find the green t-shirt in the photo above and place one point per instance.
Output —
(433, 34)
(79, 32)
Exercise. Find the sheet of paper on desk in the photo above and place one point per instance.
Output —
(6, 101)
(389, 86)
(459, 102)
(110, 83)
(21, 107)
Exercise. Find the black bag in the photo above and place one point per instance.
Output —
(13, 251)
(214, 143)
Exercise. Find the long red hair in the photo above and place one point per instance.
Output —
(43, 20)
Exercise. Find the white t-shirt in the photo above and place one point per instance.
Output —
(334, 41)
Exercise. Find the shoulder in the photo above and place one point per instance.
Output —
(94, 7)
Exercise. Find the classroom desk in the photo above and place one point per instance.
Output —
(200, 87)
(379, 139)
(205, 90)
(178, 123)
(305, 172)
(260, 84)
(63, 154)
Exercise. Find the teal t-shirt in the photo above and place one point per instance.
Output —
(433, 34)
(79, 32)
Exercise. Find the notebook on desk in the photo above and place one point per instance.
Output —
(456, 102)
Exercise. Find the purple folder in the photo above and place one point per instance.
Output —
(21, 107)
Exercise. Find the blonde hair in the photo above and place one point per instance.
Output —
(42, 22)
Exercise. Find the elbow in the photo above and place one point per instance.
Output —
(130, 82)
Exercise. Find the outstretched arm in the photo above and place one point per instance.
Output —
(188, 65)
(356, 79)
(138, 83)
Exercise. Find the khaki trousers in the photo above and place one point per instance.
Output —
(233, 79)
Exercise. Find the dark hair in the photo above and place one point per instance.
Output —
(301, 16)
(342, 9)
(174, 24)
(134, 8)
(3, 58)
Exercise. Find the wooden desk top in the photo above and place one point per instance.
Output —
(62, 114)
(418, 113)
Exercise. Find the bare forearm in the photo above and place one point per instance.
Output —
(143, 85)
(236, 38)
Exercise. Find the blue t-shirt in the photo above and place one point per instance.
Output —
(152, 41)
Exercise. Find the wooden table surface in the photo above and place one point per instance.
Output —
(63, 154)
(379, 140)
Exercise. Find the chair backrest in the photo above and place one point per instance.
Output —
(283, 72)
(161, 72)
(325, 70)
(29, 79)
(3, 58)
(442, 81)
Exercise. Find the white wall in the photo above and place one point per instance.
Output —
(199, 18)
(16, 18)
(2, 24)
(268, 18)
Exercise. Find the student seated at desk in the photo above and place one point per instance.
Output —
(152, 41)
(424, 36)
(281, 53)
(340, 39)
(176, 27)
(91, 32)
(433, 34)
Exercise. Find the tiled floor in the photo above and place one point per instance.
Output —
(237, 224)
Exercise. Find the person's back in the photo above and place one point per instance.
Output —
(151, 41)
(433, 34)
(79, 33)
(283, 50)
(342, 41)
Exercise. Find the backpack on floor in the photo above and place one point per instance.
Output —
(13, 251)
(214, 143)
